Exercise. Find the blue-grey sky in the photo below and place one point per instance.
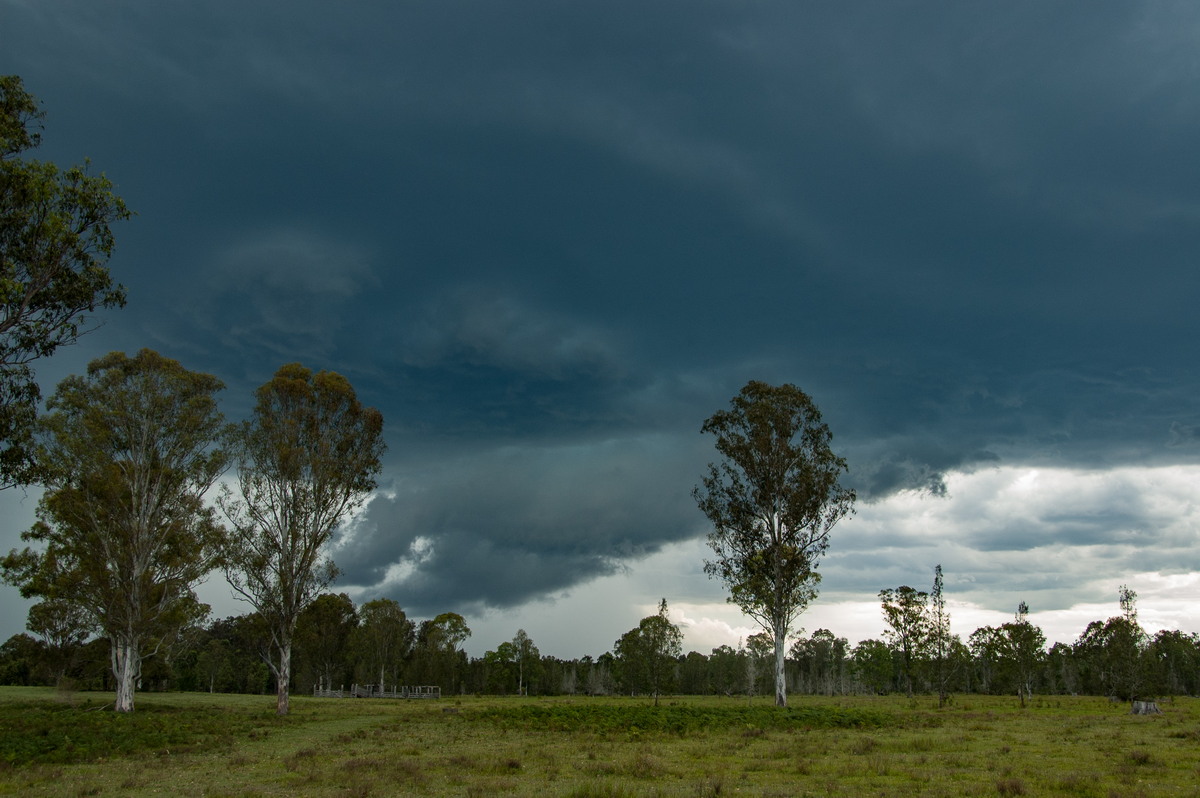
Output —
(549, 239)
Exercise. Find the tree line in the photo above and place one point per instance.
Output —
(338, 644)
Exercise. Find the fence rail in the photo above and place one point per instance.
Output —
(376, 691)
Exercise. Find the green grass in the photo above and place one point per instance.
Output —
(201, 745)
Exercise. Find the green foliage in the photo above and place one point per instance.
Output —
(55, 241)
(1113, 655)
(437, 657)
(905, 610)
(323, 634)
(821, 661)
(646, 656)
(940, 641)
(871, 663)
(383, 639)
(46, 733)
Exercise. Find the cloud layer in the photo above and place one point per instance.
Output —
(548, 240)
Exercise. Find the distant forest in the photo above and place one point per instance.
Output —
(339, 644)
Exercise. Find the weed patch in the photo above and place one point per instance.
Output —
(52, 733)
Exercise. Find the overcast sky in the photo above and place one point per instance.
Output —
(548, 239)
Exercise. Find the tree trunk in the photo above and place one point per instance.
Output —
(780, 676)
(1146, 708)
(283, 675)
(125, 663)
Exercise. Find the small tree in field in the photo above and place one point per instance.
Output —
(940, 641)
(1022, 650)
(647, 654)
(528, 660)
(307, 458)
(905, 611)
(127, 454)
(772, 502)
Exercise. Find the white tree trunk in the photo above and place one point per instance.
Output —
(780, 680)
(283, 675)
(126, 665)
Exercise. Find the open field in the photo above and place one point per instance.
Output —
(185, 744)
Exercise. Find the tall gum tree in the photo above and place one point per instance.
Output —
(55, 242)
(307, 458)
(127, 453)
(772, 502)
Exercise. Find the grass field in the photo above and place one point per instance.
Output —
(200, 745)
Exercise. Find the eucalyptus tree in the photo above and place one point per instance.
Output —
(64, 626)
(772, 501)
(55, 242)
(305, 460)
(821, 661)
(127, 454)
(438, 657)
(905, 611)
(324, 631)
(647, 654)
(940, 641)
(1175, 656)
(383, 638)
(528, 660)
(871, 664)
(1022, 651)
(1112, 653)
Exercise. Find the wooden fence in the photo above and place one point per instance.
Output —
(375, 691)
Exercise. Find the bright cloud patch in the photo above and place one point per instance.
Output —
(1046, 536)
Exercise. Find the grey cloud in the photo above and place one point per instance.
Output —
(508, 525)
(283, 292)
(481, 326)
(1183, 434)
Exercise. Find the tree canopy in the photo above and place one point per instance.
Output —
(646, 654)
(55, 242)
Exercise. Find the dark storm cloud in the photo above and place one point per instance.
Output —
(548, 239)
(504, 526)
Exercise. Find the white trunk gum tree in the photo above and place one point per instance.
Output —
(772, 502)
(129, 452)
(306, 459)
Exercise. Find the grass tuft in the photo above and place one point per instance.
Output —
(1011, 786)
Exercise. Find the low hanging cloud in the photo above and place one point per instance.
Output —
(502, 527)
